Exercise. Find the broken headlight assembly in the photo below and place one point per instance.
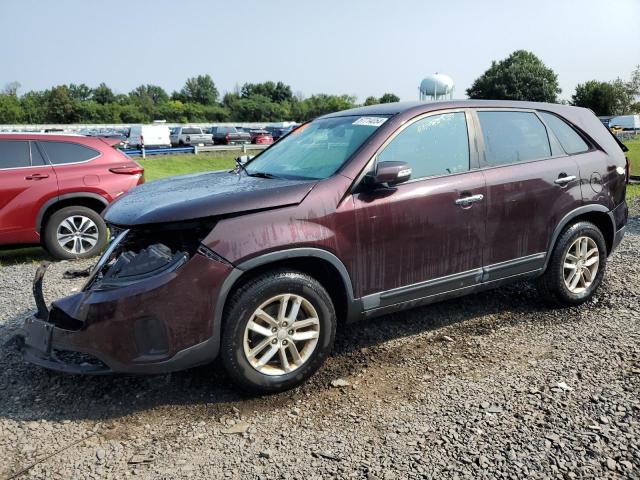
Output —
(139, 253)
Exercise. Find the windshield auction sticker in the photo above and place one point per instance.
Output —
(370, 121)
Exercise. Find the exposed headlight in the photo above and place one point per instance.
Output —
(139, 253)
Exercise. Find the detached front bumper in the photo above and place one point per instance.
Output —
(162, 324)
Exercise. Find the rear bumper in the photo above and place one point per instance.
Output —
(617, 238)
(159, 325)
(619, 218)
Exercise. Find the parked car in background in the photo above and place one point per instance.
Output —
(358, 214)
(121, 140)
(260, 137)
(54, 187)
(278, 132)
(229, 136)
(149, 135)
(181, 136)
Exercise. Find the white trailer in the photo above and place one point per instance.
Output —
(626, 122)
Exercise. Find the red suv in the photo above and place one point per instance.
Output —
(54, 187)
(351, 216)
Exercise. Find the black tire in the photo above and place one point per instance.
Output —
(551, 284)
(239, 311)
(51, 228)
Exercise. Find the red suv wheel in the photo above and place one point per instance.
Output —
(75, 232)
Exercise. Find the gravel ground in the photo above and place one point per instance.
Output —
(492, 385)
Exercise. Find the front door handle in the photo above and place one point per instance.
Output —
(464, 201)
(563, 180)
(36, 176)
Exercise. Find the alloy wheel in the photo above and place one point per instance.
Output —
(580, 265)
(77, 234)
(281, 334)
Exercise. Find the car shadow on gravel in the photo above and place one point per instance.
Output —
(28, 392)
(12, 256)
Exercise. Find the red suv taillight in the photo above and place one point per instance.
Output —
(227, 137)
(129, 170)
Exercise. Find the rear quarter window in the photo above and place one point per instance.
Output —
(513, 137)
(570, 140)
(14, 154)
(60, 153)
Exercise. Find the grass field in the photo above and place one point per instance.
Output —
(634, 158)
(160, 166)
(634, 155)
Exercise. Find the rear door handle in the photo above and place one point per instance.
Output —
(36, 176)
(564, 180)
(469, 200)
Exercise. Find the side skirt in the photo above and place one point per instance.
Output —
(453, 286)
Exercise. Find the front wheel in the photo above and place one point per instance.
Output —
(75, 232)
(576, 267)
(278, 330)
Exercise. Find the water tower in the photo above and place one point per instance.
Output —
(436, 87)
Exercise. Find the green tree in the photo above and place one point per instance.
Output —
(371, 101)
(10, 109)
(80, 93)
(276, 92)
(258, 108)
(33, 107)
(103, 94)
(321, 104)
(200, 89)
(521, 76)
(60, 107)
(154, 93)
(389, 98)
(604, 98)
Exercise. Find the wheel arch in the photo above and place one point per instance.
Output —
(597, 214)
(322, 265)
(85, 199)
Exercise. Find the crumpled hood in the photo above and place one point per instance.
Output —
(202, 195)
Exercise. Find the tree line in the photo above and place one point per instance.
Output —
(520, 76)
(197, 101)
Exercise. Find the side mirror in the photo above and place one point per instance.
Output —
(389, 174)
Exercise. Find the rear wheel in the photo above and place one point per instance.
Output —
(576, 267)
(278, 330)
(75, 232)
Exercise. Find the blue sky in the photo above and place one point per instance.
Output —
(326, 46)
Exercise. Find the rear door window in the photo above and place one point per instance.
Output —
(60, 153)
(435, 145)
(513, 137)
(14, 154)
(570, 140)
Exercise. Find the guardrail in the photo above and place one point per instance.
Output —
(627, 135)
(195, 149)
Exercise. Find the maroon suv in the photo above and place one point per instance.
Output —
(53, 188)
(354, 215)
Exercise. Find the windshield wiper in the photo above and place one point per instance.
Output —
(261, 174)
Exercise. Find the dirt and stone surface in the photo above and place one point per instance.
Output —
(494, 385)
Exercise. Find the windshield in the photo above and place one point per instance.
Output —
(315, 150)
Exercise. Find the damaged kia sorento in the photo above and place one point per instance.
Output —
(353, 215)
